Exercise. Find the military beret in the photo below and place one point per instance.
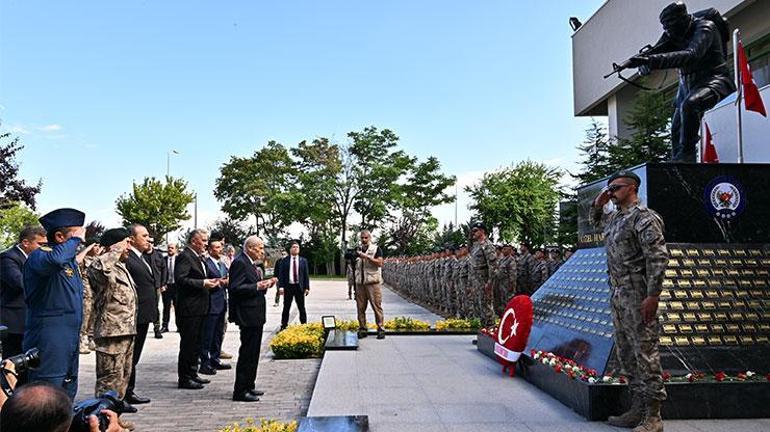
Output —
(63, 217)
(625, 174)
(112, 236)
(479, 225)
(673, 12)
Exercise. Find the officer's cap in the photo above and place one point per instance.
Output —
(112, 236)
(625, 174)
(479, 225)
(507, 245)
(63, 217)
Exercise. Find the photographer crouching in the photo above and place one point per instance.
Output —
(368, 283)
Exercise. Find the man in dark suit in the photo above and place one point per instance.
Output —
(192, 305)
(12, 308)
(294, 280)
(139, 265)
(247, 310)
(160, 272)
(276, 270)
(213, 328)
(169, 292)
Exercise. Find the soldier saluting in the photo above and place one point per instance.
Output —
(53, 291)
(636, 260)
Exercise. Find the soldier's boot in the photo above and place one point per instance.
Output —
(652, 421)
(91, 344)
(630, 418)
(84, 345)
(125, 424)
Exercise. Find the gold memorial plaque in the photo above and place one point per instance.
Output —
(681, 341)
(712, 293)
(764, 327)
(749, 328)
(666, 341)
(675, 252)
(746, 340)
(685, 328)
(707, 305)
(693, 305)
(709, 252)
(703, 272)
(756, 293)
(751, 316)
(745, 283)
(686, 272)
(733, 328)
(697, 294)
(718, 271)
(736, 262)
(680, 294)
(720, 316)
(673, 317)
(714, 340)
(742, 293)
(701, 328)
(684, 283)
(736, 316)
(693, 252)
(765, 261)
(724, 305)
(740, 252)
(717, 328)
(676, 305)
(762, 339)
(761, 273)
(760, 283)
(665, 294)
(755, 252)
(698, 340)
(705, 317)
(673, 263)
(671, 273)
(669, 328)
(733, 273)
(689, 316)
(723, 252)
(730, 340)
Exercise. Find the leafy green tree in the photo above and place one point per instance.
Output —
(520, 201)
(566, 234)
(232, 230)
(450, 235)
(160, 206)
(595, 154)
(12, 188)
(650, 141)
(259, 186)
(13, 218)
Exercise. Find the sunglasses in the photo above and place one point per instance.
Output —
(617, 187)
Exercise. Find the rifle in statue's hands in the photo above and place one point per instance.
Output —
(638, 60)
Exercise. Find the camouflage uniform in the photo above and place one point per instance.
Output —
(87, 328)
(483, 268)
(524, 268)
(463, 300)
(553, 265)
(537, 275)
(115, 305)
(636, 260)
(449, 302)
(506, 282)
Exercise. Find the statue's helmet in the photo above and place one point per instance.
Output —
(675, 19)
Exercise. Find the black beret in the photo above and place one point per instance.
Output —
(112, 236)
(625, 174)
(672, 13)
(479, 225)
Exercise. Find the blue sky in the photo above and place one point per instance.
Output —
(99, 92)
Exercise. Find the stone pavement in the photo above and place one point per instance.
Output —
(288, 384)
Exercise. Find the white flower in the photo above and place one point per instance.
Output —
(552, 362)
(750, 374)
(591, 380)
(545, 361)
(606, 378)
(567, 367)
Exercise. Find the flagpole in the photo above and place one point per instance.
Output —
(738, 93)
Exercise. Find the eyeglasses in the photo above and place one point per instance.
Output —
(617, 187)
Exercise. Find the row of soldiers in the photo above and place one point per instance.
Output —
(474, 282)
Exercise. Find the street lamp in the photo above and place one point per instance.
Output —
(168, 161)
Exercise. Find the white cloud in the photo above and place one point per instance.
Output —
(18, 129)
(53, 127)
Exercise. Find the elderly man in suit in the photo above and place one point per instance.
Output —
(294, 281)
(247, 310)
(213, 327)
(12, 308)
(140, 267)
(192, 305)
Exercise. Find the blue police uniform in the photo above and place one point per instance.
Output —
(53, 292)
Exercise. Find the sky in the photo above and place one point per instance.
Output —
(101, 92)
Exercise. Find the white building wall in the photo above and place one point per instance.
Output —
(756, 131)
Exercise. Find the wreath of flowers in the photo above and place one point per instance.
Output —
(575, 371)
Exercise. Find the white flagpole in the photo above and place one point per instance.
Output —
(738, 93)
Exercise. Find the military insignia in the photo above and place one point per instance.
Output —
(69, 272)
(724, 198)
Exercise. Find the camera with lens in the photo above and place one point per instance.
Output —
(351, 254)
(26, 360)
(94, 407)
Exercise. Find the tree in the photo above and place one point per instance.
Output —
(159, 206)
(13, 218)
(650, 141)
(450, 235)
(12, 188)
(232, 230)
(595, 154)
(259, 186)
(520, 201)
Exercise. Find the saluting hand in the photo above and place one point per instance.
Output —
(603, 198)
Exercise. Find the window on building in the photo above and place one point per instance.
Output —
(758, 54)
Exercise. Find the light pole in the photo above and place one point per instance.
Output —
(168, 161)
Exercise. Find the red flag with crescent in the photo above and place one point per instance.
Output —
(515, 326)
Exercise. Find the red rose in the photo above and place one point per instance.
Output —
(571, 374)
(720, 376)
(767, 377)
(666, 376)
(532, 353)
(592, 372)
(622, 379)
(557, 368)
(741, 376)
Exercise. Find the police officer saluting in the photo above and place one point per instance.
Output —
(636, 259)
(53, 292)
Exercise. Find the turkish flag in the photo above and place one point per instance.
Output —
(515, 325)
(709, 152)
(750, 91)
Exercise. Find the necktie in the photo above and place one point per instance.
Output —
(296, 271)
(171, 269)
(203, 265)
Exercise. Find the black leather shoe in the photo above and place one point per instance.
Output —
(207, 371)
(380, 334)
(190, 385)
(135, 399)
(200, 380)
(164, 329)
(158, 334)
(362, 333)
(256, 392)
(245, 397)
(222, 366)
(128, 408)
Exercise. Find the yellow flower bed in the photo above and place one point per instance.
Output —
(406, 323)
(351, 325)
(263, 426)
(298, 341)
(458, 324)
